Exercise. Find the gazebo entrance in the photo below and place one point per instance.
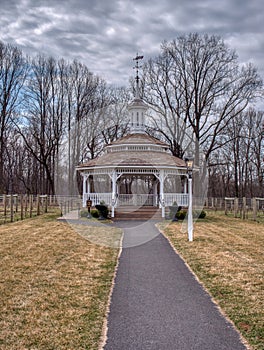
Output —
(138, 190)
(138, 200)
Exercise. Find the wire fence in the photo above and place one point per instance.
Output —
(244, 208)
(16, 207)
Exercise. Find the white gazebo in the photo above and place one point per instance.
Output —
(136, 170)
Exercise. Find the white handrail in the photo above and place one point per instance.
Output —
(138, 199)
(97, 198)
(181, 199)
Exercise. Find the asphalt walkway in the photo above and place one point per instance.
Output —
(158, 304)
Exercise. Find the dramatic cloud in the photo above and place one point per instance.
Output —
(106, 35)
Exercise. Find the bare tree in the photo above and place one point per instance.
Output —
(197, 79)
(104, 123)
(21, 167)
(257, 149)
(84, 94)
(42, 122)
(58, 103)
(13, 71)
(238, 167)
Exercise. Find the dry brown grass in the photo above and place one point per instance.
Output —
(227, 257)
(54, 286)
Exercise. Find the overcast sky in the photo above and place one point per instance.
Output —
(107, 34)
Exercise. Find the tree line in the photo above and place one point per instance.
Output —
(51, 114)
(198, 89)
(55, 114)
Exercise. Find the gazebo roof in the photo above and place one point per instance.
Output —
(135, 150)
(138, 139)
(138, 103)
(135, 159)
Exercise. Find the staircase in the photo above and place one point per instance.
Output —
(137, 213)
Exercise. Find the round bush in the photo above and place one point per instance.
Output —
(181, 214)
(103, 210)
(202, 214)
(94, 213)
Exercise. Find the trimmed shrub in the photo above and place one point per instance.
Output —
(180, 215)
(202, 214)
(94, 213)
(103, 210)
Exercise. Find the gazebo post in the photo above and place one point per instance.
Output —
(88, 185)
(113, 178)
(85, 176)
(189, 165)
(190, 208)
(161, 179)
(185, 185)
(155, 192)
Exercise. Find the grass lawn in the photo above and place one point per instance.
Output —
(227, 257)
(54, 285)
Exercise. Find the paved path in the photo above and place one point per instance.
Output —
(157, 303)
(71, 215)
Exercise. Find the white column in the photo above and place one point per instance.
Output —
(185, 186)
(162, 178)
(190, 215)
(84, 189)
(88, 186)
(118, 188)
(155, 191)
(113, 178)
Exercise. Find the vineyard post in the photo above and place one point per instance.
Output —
(254, 207)
(11, 208)
(22, 206)
(5, 205)
(38, 205)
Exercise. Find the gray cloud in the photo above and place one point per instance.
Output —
(106, 35)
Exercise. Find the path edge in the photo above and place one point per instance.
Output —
(223, 314)
(103, 337)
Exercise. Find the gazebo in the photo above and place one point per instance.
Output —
(136, 170)
(137, 166)
(133, 171)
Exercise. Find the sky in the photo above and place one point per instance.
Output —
(105, 35)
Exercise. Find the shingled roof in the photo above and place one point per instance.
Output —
(127, 152)
(145, 159)
(139, 139)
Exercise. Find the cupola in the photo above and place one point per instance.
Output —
(137, 108)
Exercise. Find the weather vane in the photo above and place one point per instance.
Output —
(137, 59)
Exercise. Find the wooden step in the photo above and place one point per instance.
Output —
(137, 213)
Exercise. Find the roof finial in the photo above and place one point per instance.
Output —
(137, 58)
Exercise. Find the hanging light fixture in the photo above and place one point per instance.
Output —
(189, 161)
